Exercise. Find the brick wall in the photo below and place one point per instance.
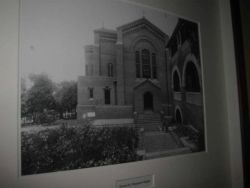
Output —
(138, 40)
(83, 110)
(114, 112)
(191, 114)
(98, 84)
(104, 111)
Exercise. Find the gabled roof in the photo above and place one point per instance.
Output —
(143, 22)
(181, 26)
(147, 81)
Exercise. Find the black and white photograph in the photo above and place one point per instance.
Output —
(104, 82)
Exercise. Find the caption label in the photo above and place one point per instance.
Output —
(138, 182)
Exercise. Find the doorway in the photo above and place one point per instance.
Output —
(106, 96)
(148, 101)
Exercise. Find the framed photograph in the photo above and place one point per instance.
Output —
(104, 82)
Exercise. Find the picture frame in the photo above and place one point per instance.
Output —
(209, 169)
(239, 16)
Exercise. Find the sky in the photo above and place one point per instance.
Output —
(53, 33)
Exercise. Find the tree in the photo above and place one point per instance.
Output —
(66, 97)
(40, 97)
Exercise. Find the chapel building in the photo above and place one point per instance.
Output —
(125, 72)
(138, 69)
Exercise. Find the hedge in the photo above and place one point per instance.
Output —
(66, 148)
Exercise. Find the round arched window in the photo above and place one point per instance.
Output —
(146, 64)
(146, 67)
(110, 70)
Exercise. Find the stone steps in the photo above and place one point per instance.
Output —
(148, 117)
(153, 142)
(157, 154)
(149, 127)
(160, 144)
(158, 141)
(149, 121)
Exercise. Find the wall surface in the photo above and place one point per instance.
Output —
(228, 56)
(245, 16)
(206, 169)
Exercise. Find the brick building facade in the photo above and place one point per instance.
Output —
(183, 59)
(125, 72)
(137, 68)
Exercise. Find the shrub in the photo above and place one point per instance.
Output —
(77, 147)
(196, 138)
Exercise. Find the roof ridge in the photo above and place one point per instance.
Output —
(144, 81)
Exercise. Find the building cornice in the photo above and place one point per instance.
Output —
(142, 23)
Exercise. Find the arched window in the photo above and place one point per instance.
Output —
(91, 93)
(192, 78)
(146, 64)
(176, 81)
(146, 67)
(110, 70)
(137, 64)
(154, 66)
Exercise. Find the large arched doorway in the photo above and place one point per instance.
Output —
(192, 78)
(148, 101)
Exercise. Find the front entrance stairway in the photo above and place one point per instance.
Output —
(158, 141)
(149, 121)
(155, 143)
